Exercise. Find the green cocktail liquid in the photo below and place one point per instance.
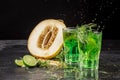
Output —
(82, 46)
(89, 46)
(71, 47)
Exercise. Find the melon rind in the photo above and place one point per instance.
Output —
(56, 45)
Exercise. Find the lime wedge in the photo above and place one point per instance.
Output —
(19, 63)
(29, 60)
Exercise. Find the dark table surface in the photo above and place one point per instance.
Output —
(109, 68)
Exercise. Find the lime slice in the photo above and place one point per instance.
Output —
(19, 63)
(29, 60)
(92, 41)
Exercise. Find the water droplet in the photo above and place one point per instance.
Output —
(108, 17)
(105, 19)
(103, 27)
(116, 8)
(81, 17)
(75, 15)
(78, 12)
(68, 1)
(101, 22)
(113, 12)
(100, 8)
(94, 19)
(107, 1)
(99, 26)
(45, 0)
(85, 1)
(84, 22)
(96, 14)
(81, 14)
(111, 2)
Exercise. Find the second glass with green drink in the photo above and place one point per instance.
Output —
(82, 46)
(89, 45)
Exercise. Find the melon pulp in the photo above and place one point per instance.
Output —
(46, 39)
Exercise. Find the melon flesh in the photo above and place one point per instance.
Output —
(54, 45)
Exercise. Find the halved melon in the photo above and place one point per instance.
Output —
(46, 39)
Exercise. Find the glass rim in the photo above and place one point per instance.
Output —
(97, 32)
(69, 29)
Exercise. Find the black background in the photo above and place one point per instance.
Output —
(19, 17)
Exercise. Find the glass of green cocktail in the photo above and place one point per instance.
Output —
(71, 53)
(89, 46)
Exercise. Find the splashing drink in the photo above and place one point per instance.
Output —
(89, 46)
